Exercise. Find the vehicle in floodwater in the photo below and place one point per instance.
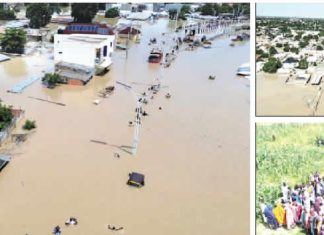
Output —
(244, 70)
(155, 56)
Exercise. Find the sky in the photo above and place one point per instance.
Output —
(302, 10)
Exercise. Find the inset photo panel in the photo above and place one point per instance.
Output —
(289, 178)
(289, 59)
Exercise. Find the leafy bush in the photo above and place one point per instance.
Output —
(272, 51)
(278, 44)
(7, 14)
(272, 65)
(51, 80)
(286, 49)
(13, 41)
(303, 64)
(294, 50)
(29, 125)
(5, 116)
(112, 13)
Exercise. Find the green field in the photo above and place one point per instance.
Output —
(285, 152)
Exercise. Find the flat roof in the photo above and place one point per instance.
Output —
(87, 39)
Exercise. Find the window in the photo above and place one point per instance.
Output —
(111, 44)
(98, 53)
(105, 51)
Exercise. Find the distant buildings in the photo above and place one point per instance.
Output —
(88, 46)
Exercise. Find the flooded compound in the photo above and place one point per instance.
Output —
(192, 147)
(299, 99)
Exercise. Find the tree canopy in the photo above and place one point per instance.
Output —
(272, 65)
(13, 41)
(84, 12)
(39, 14)
(112, 13)
(5, 116)
(303, 64)
(7, 14)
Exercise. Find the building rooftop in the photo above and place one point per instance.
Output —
(76, 28)
(87, 39)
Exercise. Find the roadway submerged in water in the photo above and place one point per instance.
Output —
(194, 152)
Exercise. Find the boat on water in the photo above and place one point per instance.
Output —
(244, 70)
(155, 56)
(206, 46)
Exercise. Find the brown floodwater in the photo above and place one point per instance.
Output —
(276, 98)
(194, 152)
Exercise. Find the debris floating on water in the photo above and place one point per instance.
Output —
(48, 101)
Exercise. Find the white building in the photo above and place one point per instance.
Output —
(86, 45)
(89, 50)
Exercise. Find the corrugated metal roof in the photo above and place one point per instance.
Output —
(4, 160)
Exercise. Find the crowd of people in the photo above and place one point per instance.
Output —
(302, 205)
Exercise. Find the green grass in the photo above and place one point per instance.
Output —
(285, 152)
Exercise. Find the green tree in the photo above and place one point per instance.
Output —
(303, 64)
(51, 80)
(319, 48)
(272, 51)
(185, 9)
(13, 41)
(303, 44)
(29, 125)
(5, 116)
(55, 8)
(172, 14)
(241, 9)
(7, 14)
(259, 51)
(286, 49)
(225, 8)
(208, 9)
(39, 14)
(84, 12)
(272, 65)
(112, 13)
(278, 44)
(294, 50)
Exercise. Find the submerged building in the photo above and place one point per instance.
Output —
(88, 46)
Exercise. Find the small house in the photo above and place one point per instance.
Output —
(129, 32)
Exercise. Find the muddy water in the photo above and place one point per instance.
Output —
(275, 98)
(194, 152)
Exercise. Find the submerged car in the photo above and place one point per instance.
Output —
(136, 179)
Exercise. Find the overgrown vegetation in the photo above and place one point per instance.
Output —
(29, 125)
(39, 14)
(51, 80)
(13, 41)
(303, 64)
(215, 9)
(6, 116)
(7, 14)
(112, 13)
(84, 12)
(285, 153)
(272, 65)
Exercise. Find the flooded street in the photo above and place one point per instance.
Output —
(194, 152)
(276, 98)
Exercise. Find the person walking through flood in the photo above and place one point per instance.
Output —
(114, 228)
